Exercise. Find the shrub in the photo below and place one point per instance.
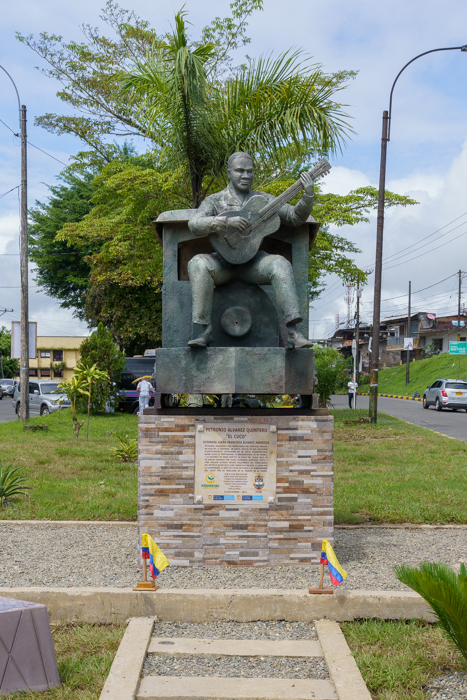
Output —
(11, 483)
(445, 592)
(127, 448)
(332, 371)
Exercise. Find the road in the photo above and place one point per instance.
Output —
(6, 410)
(447, 422)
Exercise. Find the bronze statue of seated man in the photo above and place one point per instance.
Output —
(217, 215)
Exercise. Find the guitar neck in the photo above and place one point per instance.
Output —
(321, 168)
(274, 206)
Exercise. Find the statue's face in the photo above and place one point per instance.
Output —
(241, 174)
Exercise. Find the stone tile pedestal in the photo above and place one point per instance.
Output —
(286, 532)
(27, 656)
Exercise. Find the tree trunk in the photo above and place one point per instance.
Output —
(89, 410)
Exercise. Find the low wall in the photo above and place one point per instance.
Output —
(106, 605)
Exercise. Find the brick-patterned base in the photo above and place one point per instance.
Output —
(286, 533)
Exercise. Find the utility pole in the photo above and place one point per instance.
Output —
(459, 321)
(357, 343)
(386, 133)
(24, 316)
(409, 318)
(24, 366)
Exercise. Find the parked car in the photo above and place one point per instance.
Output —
(446, 393)
(43, 398)
(8, 386)
(135, 367)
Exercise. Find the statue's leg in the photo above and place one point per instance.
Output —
(278, 272)
(205, 272)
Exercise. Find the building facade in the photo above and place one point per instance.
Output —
(56, 357)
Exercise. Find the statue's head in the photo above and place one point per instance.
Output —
(240, 171)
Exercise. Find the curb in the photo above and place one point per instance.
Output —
(343, 669)
(387, 396)
(124, 675)
(107, 605)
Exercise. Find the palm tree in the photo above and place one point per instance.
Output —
(274, 108)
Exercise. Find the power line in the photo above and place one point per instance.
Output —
(47, 154)
(8, 127)
(5, 194)
(33, 145)
(388, 259)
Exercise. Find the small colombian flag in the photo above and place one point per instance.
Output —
(157, 560)
(336, 572)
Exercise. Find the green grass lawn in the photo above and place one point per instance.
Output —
(398, 659)
(389, 472)
(84, 657)
(422, 373)
(71, 480)
(397, 472)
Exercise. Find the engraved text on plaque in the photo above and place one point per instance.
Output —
(235, 462)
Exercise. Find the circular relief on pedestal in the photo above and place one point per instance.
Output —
(236, 321)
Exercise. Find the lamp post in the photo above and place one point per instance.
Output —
(24, 362)
(373, 412)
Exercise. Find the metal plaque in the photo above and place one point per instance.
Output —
(235, 463)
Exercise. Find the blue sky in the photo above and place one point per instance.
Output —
(427, 155)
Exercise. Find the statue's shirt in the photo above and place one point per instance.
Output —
(208, 218)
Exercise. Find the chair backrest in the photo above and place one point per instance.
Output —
(180, 246)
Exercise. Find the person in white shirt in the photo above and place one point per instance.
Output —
(353, 388)
(144, 389)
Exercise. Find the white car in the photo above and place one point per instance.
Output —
(43, 398)
(8, 386)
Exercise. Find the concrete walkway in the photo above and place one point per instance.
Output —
(127, 678)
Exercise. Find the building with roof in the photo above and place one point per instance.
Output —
(56, 357)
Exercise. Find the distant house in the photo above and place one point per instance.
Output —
(443, 332)
(56, 357)
(425, 329)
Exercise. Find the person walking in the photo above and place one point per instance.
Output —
(144, 389)
(352, 388)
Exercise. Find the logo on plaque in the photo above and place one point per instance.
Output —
(259, 482)
(210, 478)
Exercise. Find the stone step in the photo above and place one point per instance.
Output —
(183, 646)
(191, 688)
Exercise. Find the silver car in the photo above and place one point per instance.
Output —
(446, 393)
(43, 398)
(8, 386)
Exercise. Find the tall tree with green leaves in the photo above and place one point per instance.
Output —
(100, 352)
(274, 108)
(62, 270)
(10, 366)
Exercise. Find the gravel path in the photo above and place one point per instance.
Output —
(100, 555)
(237, 630)
(453, 686)
(234, 667)
(238, 666)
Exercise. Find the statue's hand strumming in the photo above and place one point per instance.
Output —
(237, 222)
(307, 182)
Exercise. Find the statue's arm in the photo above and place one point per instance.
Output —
(206, 220)
(297, 215)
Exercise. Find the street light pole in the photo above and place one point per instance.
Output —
(373, 412)
(24, 362)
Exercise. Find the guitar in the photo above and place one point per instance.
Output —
(238, 247)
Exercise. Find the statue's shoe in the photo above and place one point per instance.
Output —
(297, 340)
(203, 339)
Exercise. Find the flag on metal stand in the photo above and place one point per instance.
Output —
(157, 563)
